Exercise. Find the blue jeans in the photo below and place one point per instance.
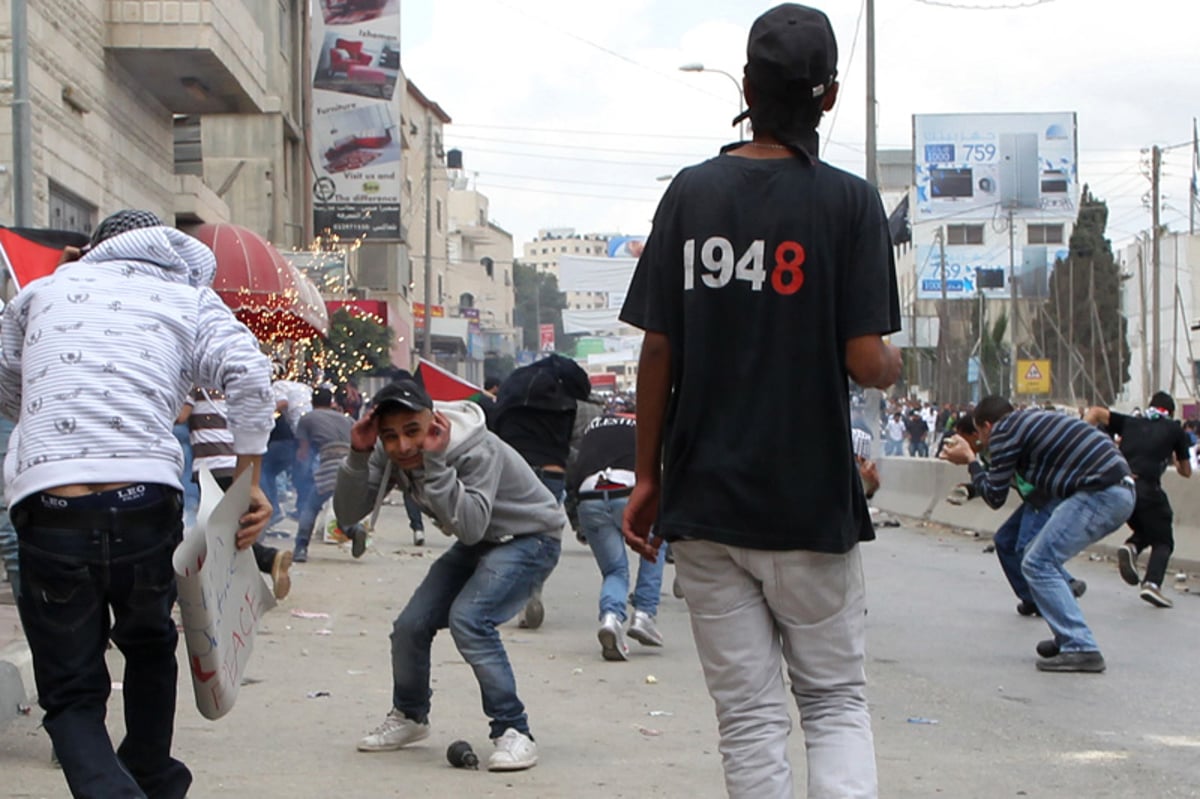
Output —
(277, 461)
(75, 573)
(470, 590)
(191, 489)
(1013, 538)
(302, 479)
(1081, 519)
(600, 522)
(310, 507)
(8, 536)
(415, 522)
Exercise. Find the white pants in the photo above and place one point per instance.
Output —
(748, 608)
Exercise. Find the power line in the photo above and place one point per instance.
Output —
(609, 161)
(608, 51)
(849, 62)
(993, 7)
(573, 193)
(525, 142)
(547, 179)
(578, 132)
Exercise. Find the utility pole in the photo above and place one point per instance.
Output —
(1194, 189)
(872, 159)
(21, 117)
(1156, 266)
(1013, 294)
(943, 381)
(427, 341)
(1071, 324)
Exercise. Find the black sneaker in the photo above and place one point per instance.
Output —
(1047, 648)
(1078, 588)
(358, 541)
(1027, 608)
(1127, 564)
(1151, 593)
(1091, 662)
(300, 554)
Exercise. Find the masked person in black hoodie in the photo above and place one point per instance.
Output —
(535, 415)
(1149, 442)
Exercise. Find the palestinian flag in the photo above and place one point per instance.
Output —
(445, 386)
(30, 253)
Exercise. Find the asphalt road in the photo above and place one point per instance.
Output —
(945, 645)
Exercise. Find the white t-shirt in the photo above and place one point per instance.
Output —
(298, 397)
(895, 430)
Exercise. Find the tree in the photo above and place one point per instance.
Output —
(357, 345)
(538, 301)
(1081, 326)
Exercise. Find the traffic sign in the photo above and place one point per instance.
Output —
(1033, 376)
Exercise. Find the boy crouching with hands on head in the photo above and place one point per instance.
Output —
(508, 528)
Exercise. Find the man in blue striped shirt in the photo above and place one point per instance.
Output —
(1070, 460)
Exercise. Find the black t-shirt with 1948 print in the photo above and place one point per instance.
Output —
(759, 272)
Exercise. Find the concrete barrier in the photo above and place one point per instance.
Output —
(908, 486)
(918, 487)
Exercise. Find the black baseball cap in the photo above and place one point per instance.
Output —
(792, 53)
(405, 394)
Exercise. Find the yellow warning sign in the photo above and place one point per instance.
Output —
(1033, 377)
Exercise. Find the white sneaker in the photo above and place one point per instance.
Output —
(396, 731)
(643, 629)
(612, 638)
(514, 751)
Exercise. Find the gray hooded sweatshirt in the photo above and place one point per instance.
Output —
(479, 489)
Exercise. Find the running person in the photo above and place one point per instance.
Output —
(1149, 443)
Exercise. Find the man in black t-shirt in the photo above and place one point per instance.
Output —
(918, 429)
(1149, 442)
(767, 280)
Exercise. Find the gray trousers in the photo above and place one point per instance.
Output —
(753, 610)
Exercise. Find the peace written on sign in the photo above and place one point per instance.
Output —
(720, 265)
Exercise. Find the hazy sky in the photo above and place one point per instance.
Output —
(569, 113)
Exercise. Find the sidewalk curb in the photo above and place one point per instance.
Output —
(16, 681)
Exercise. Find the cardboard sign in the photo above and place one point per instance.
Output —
(221, 595)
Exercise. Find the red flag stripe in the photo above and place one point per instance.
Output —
(445, 386)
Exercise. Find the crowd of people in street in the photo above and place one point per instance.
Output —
(127, 376)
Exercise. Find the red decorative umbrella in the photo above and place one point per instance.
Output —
(263, 290)
(310, 305)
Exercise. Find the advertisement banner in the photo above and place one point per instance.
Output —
(355, 138)
(979, 166)
(971, 270)
(546, 338)
(418, 309)
(221, 596)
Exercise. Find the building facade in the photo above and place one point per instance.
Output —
(119, 97)
(479, 275)
(1178, 311)
(552, 243)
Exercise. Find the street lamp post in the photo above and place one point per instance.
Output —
(697, 67)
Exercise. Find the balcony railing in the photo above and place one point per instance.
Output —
(194, 56)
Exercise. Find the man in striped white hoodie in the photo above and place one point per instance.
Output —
(96, 361)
